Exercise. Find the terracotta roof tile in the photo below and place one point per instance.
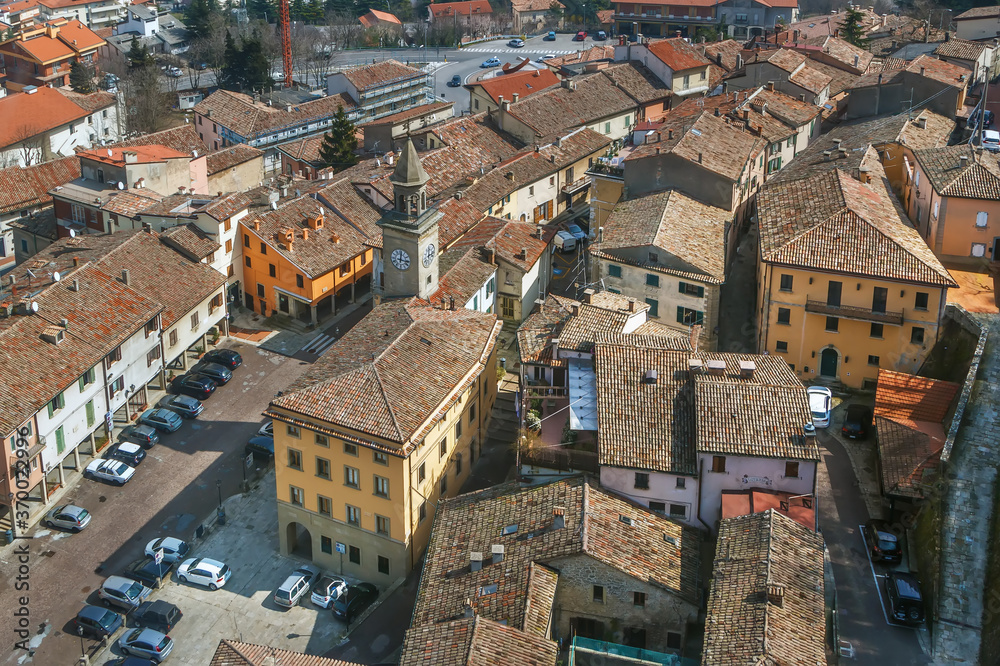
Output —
(638, 81)
(833, 222)
(908, 457)
(226, 158)
(412, 112)
(28, 187)
(840, 79)
(661, 426)
(521, 83)
(235, 653)
(442, 10)
(601, 52)
(978, 177)
(677, 54)
(535, 5)
(758, 557)
(724, 53)
(23, 115)
(475, 641)
(352, 207)
(590, 525)
(190, 240)
(688, 231)
(907, 398)
(141, 154)
(961, 49)
(373, 17)
(240, 114)
(365, 381)
(91, 102)
(939, 70)
(979, 12)
(183, 138)
(380, 74)
(131, 202)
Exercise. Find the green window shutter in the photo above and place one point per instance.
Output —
(680, 287)
(680, 314)
(51, 411)
(90, 413)
(701, 292)
(82, 383)
(60, 440)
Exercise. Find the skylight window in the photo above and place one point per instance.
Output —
(510, 529)
(487, 590)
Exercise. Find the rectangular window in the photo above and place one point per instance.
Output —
(873, 360)
(654, 307)
(326, 544)
(263, 248)
(246, 240)
(293, 431)
(443, 448)
(246, 261)
(354, 554)
(981, 220)
(352, 477)
(642, 480)
(322, 440)
(719, 464)
(673, 640)
(422, 472)
(444, 484)
(876, 331)
(152, 356)
(458, 431)
(260, 292)
(229, 245)
(323, 468)
(681, 483)
(920, 303)
(652, 280)
(678, 511)
(380, 458)
(351, 449)
(114, 356)
(295, 459)
(833, 292)
(781, 346)
(194, 321)
(296, 495)
(56, 404)
(383, 565)
(639, 599)
(607, 128)
(917, 335)
(150, 327)
(691, 289)
(832, 324)
(381, 525)
(422, 513)
(324, 505)
(599, 594)
(381, 486)
(784, 316)
(353, 516)
(689, 317)
(271, 270)
(614, 271)
(658, 507)
(472, 413)
(90, 414)
(791, 470)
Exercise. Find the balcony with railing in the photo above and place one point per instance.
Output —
(854, 312)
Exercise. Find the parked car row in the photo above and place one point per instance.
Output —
(325, 591)
(214, 369)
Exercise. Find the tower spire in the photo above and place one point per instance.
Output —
(409, 172)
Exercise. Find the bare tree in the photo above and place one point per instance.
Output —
(29, 139)
(344, 29)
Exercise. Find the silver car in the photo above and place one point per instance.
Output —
(122, 592)
(110, 470)
(148, 643)
(67, 517)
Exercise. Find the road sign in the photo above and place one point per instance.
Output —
(158, 555)
(249, 460)
(341, 548)
(109, 420)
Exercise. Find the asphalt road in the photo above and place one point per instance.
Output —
(174, 490)
(463, 62)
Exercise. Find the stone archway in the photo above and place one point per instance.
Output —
(299, 540)
(829, 359)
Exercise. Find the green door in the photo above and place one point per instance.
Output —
(828, 363)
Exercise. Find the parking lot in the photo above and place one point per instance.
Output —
(244, 608)
(174, 490)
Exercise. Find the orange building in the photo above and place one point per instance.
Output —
(43, 56)
(305, 259)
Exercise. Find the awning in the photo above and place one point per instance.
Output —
(582, 395)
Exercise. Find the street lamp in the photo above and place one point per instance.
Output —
(218, 484)
(83, 648)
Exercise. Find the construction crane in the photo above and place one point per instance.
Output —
(286, 41)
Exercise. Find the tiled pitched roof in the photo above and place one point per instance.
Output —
(148, 260)
(637, 81)
(236, 653)
(724, 53)
(845, 53)
(240, 114)
(379, 74)
(131, 202)
(939, 70)
(979, 12)
(475, 641)
(689, 232)
(906, 398)
(24, 115)
(520, 83)
(442, 10)
(226, 158)
(183, 138)
(305, 149)
(961, 49)
(561, 108)
(366, 382)
(101, 315)
(591, 525)
(373, 17)
(189, 240)
(313, 251)
(45, 49)
(508, 238)
(811, 79)
(759, 556)
(141, 154)
(777, 115)
(458, 217)
(677, 54)
(343, 198)
(28, 187)
(90, 102)
(847, 143)
(601, 52)
(464, 277)
(784, 59)
(662, 426)
(908, 456)
(977, 178)
(840, 79)
(40, 224)
(711, 143)
(833, 222)
(412, 112)
(535, 5)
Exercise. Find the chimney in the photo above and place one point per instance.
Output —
(76, 261)
(475, 561)
(305, 234)
(76, 285)
(802, 97)
(795, 35)
(516, 96)
(467, 610)
(716, 367)
(826, 155)
(922, 70)
(575, 308)
(509, 176)
(649, 377)
(857, 59)
(718, 112)
(451, 303)
(747, 369)
(776, 594)
(555, 348)
(256, 225)
(922, 122)
(963, 161)
(631, 305)
(700, 155)
(491, 255)
(694, 335)
(837, 142)
(770, 85)
(695, 366)
(125, 276)
(505, 106)
(863, 175)
(497, 552)
(588, 295)
(746, 114)
(500, 100)
(130, 157)
(538, 232)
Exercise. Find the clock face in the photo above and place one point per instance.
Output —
(400, 259)
(428, 254)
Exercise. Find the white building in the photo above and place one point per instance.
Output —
(140, 20)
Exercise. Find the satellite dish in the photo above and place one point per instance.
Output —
(56, 277)
(72, 233)
(34, 306)
(121, 185)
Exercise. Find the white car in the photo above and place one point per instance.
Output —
(205, 572)
(547, 56)
(173, 548)
(991, 140)
(113, 471)
(820, 404)
(267, 430)
(328, 590)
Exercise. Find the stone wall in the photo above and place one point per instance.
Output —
(663, 612)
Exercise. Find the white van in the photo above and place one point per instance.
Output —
(991, 141)
(564, 241)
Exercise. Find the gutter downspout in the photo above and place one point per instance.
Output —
(701, 474)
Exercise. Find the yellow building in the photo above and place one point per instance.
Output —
(845, 285)
(387, 422)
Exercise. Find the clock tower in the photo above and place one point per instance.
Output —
(409, 232)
